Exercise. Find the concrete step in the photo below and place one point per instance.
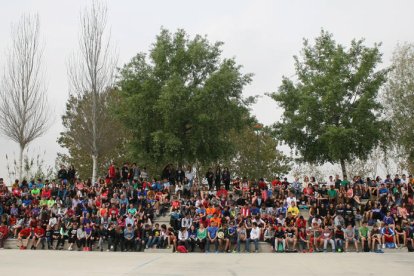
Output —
(264, 247)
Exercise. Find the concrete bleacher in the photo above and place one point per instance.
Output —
(263, 246)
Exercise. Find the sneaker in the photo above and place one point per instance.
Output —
(383, 246)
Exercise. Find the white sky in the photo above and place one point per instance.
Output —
(262, 35)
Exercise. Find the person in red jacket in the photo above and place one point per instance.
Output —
(39, 234)
(112, 171)
(4, 231)
(23, 238)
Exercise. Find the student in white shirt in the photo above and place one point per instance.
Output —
(254, 237)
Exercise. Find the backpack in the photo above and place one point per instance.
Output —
(181, 249)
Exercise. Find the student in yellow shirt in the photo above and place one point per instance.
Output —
(294, 210)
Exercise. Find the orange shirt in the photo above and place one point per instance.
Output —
(210, 211)
(217, 220)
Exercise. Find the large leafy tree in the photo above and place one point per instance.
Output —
(331, 112)
(399, 101)
(256, 155)
(182, 100)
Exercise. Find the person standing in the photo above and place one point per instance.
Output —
(226, 178)
(217, 179)
(210, 178)
(189, 174)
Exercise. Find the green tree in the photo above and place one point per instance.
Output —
(399, 102)
(112, 136)
(256, 155)
(331, 111)
(182, 100)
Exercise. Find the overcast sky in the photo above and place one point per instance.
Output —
(262, 36)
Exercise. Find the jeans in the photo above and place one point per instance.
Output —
(154, 241)
(256, 244)
(148, 242)
(339, 243)
(325, 244)
(215, 245)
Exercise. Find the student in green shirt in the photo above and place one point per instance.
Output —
(345, 182)
(364, 234)
(50, 202)
(132, 210)
(332, 193)
(201, 237)
(43, 202)
(35, 191)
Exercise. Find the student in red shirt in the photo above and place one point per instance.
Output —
(276, 182)
(23, 238)
(300, 222)
(4, 230)
(46, 193)
(221, 192)
(39, 234)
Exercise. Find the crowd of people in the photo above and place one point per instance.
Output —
(211, 212)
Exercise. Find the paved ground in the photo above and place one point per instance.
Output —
(15, 262)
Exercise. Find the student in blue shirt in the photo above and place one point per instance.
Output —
(382, 190)
(212, 237)
(388, 219)
(388, 235)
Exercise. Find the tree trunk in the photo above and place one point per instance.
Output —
(94, 136)
(21, 162)
(343, 167)
(94, 167)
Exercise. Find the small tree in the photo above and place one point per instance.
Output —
(91, 72)
(34, 167)
(24, 112)
(399, 102)
(76, 137)
(256, 155)
(331, 112)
